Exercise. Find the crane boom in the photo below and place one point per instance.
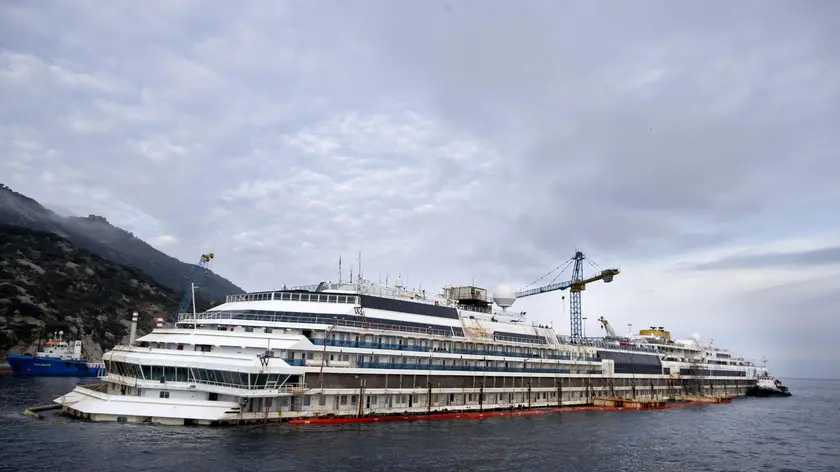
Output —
(608, 328)
(575, 285)
(606, 275)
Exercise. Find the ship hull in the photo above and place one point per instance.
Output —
(31, 366)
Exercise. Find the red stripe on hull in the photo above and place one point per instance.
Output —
(489, 414)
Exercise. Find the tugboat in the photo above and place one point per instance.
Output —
(768, 386)
(58, 358)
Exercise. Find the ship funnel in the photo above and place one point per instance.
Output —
(133, 333)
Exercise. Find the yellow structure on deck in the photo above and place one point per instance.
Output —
(656, 331)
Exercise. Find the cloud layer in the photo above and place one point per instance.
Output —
(457, 141)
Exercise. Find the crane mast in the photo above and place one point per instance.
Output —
(576, 284)
(196, 275)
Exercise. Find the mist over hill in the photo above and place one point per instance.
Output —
(95, 234)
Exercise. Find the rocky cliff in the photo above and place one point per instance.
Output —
(95, 234)
(48, 284)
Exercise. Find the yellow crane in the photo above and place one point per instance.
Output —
(575, 285)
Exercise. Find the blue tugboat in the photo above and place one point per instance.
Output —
(58, 358)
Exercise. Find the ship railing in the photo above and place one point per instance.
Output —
(538, 340)
(475, 352)
(358, 288)
(493, 312)
(604, 345)
(250, 297)
(387, 327)
(199, 376)
(293, 388)
(308, 319)
(293, 297)
(368, 288)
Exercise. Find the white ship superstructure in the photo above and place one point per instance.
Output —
(360, 348)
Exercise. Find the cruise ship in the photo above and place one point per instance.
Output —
(359, 348)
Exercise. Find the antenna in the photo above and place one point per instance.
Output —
(360, 267)
(339, 269)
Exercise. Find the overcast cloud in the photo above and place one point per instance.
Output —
(694, 146)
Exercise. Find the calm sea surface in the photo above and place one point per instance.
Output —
(800, 433)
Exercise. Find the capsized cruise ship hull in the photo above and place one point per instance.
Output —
(346, 350)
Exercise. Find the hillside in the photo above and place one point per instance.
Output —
(95, 234)
(48, 283)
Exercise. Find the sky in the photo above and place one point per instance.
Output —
(692, 146)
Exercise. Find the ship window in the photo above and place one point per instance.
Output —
(164, 394)
(211, 375)
(226, 377)
(402, 306)
(181, 374)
